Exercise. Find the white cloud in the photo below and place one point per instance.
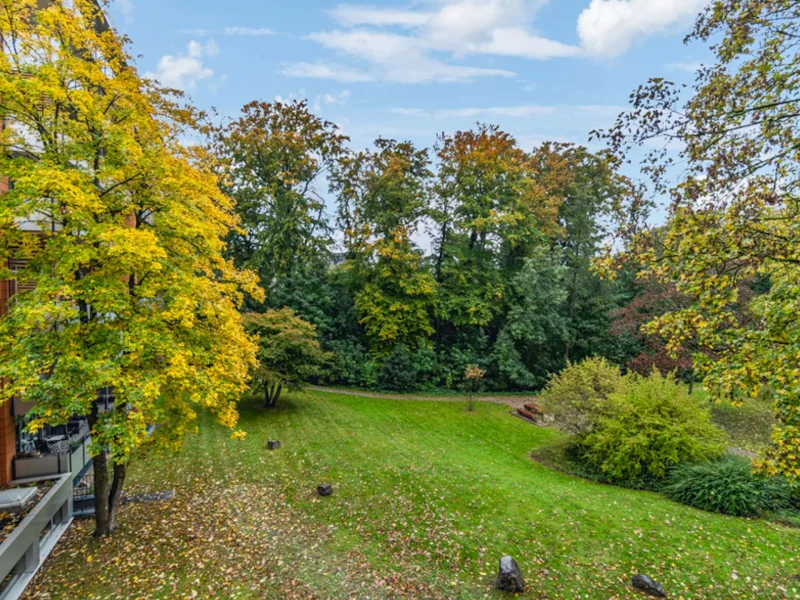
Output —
(463, 26)
(185, 71)
(339, 98)
(457, 28)
(319, 102)
(516, 41)
(374, 46)
(411, 112)
(497, 111)
(232, 30)
(686, 67)
(332, 71)
(350, 15)
(525, 110)
(198, 50)
(249, 31)
(609, 27)
(292, 97)
(212, 49)
(330, 99)
(516, 112)
(391, 57)
(195, 32)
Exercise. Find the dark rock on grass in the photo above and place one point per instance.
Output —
(652, 588)
(509, 578)
(325, 489)
(273, 444)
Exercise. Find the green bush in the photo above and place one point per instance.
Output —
(577, 397)
(398, 373)
(728, 486)
(568, 456)
(653, 424)
(425, 369)
(347, 365)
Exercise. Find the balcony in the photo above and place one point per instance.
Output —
(56, 450)
(67, 456)
(38, 525)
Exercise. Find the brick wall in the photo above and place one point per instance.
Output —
(7, 443)
(7, 433)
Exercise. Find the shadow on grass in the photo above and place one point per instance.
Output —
(252, 406)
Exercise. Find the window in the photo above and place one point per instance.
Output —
(27, 443)
(105, 398)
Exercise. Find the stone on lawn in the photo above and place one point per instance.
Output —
(509, 579)
(644, 584)
(325, 489)
(273, 444)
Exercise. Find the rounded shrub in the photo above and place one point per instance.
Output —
(650, 426)
(728, 486)
(576, 397)
(398, 372)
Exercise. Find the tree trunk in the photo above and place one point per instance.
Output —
(271, 394)
(437, 269)
(102, 518)
(691, 381)
(570, 316)
(115, 496)
(100, 465)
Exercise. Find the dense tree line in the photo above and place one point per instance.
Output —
(730, 243)
(505, 280)
(179, 275)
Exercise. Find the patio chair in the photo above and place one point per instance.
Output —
(61, 447)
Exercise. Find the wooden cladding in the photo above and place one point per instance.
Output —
(45, 100)
(16, 286)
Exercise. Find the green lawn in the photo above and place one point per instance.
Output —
(428, 498)
(749, 425)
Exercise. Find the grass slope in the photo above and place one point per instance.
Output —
(428, 497)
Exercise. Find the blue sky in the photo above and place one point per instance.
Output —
(541, 70)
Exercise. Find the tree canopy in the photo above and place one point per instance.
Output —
(130, 287)
(288, 352)
(733, 217)
(274, 159)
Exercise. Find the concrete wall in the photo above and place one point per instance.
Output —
(22, 549)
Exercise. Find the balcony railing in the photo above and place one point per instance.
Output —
(25, 547)
(72, 461)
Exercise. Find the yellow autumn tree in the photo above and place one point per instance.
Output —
(120, 228)
(726, 152)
